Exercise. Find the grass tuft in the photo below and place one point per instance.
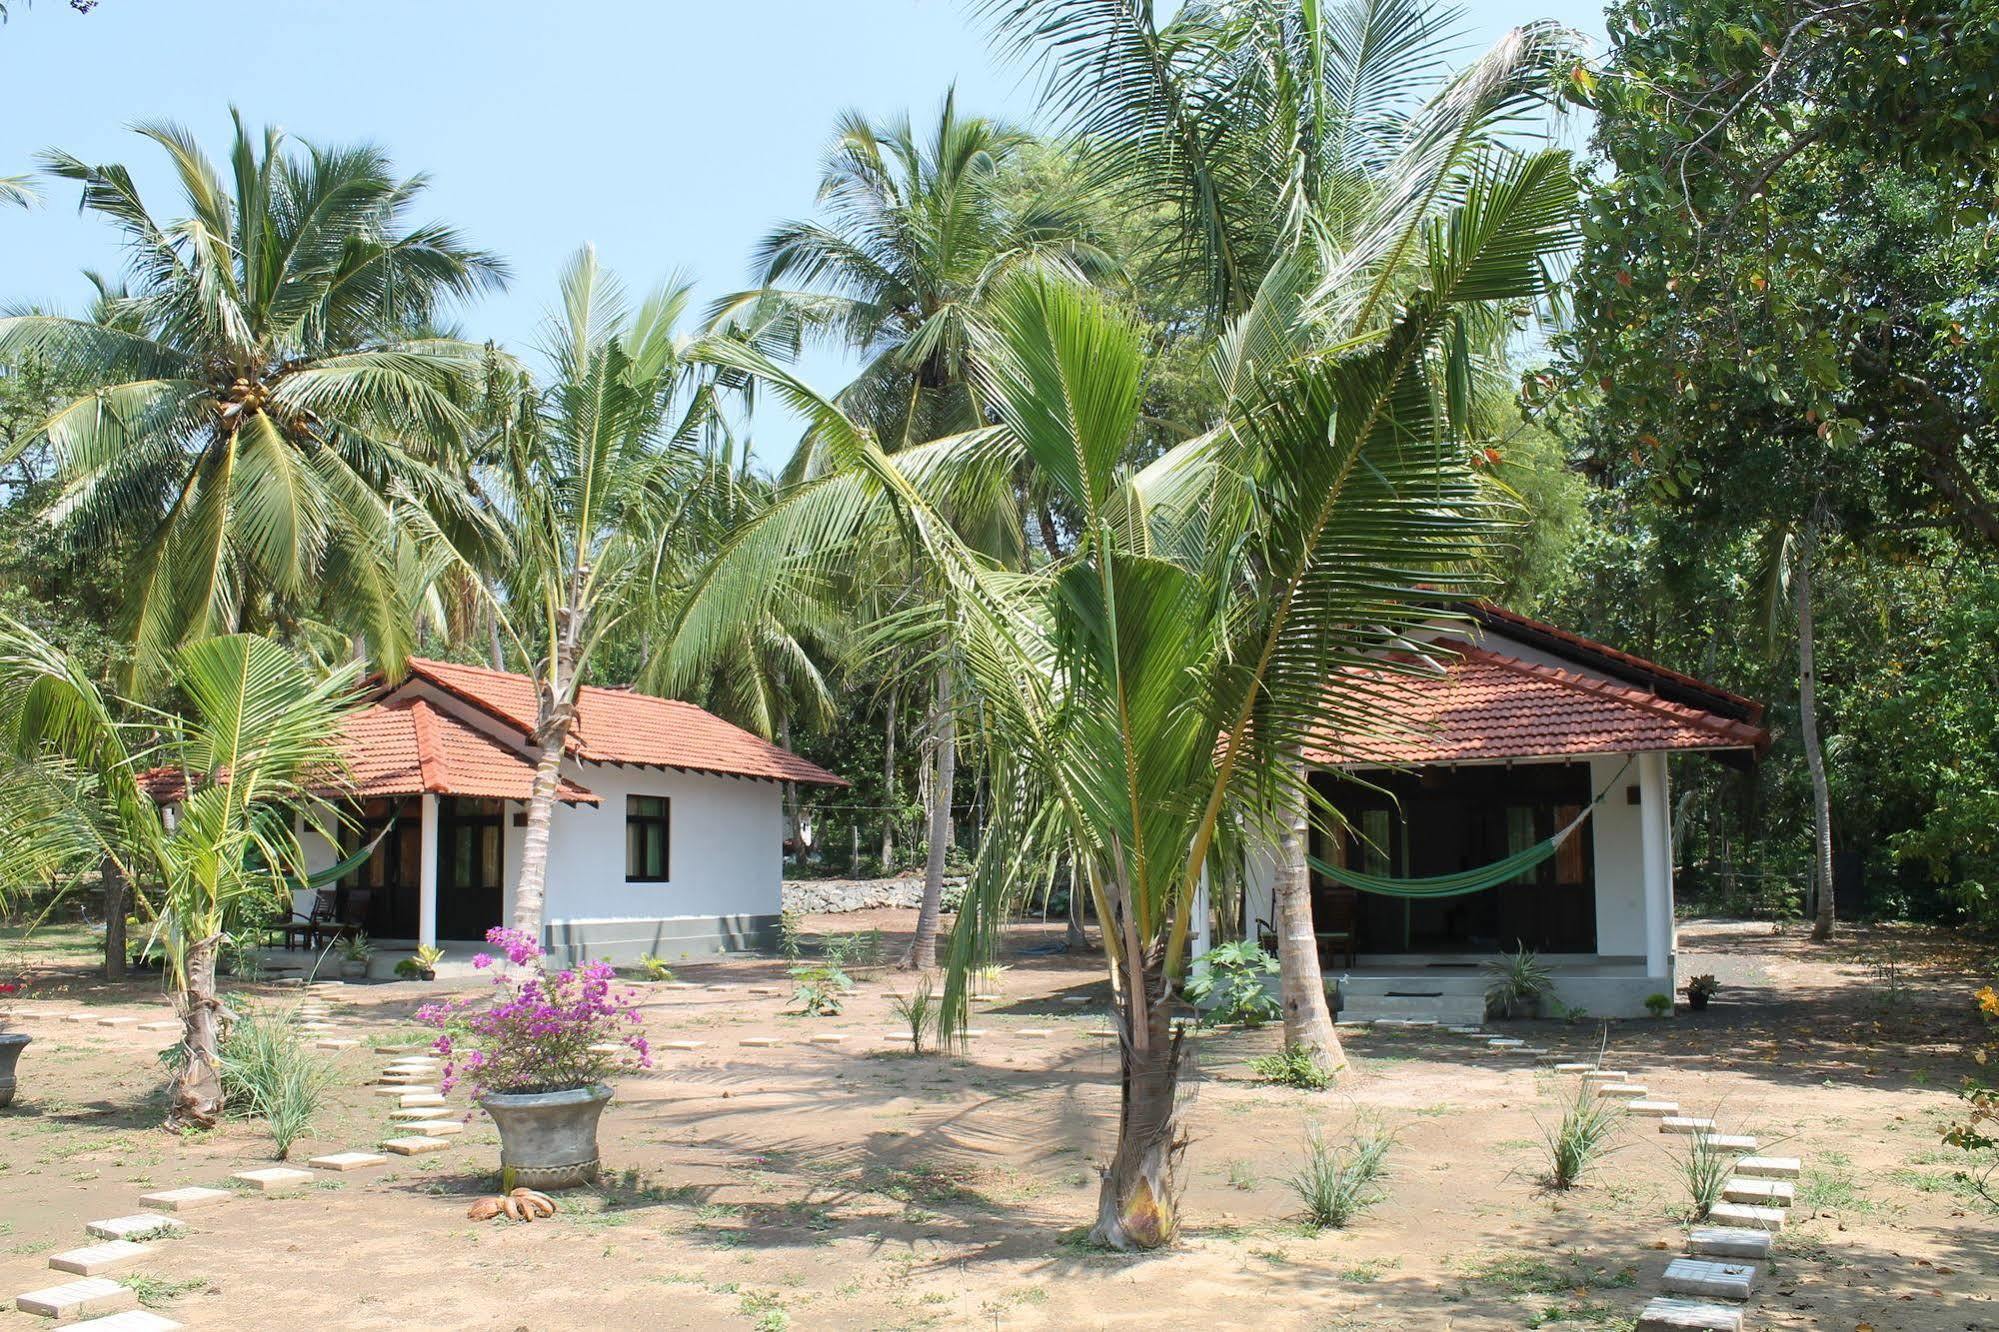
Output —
(1295, 1067)
(1341, 1180)
(1580, 1139)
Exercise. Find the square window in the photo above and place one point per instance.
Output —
(647, 831)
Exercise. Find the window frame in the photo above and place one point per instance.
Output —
(664, 822)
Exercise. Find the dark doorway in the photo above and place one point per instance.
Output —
(471, 883)
(388, 881)
(1441, 821)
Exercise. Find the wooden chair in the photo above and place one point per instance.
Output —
(307, 928)
(1336, 933)
(353, 919)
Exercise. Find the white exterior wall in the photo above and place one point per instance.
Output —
(1618, 833)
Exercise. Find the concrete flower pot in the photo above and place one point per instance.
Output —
(548, 1140)
(11, 1045)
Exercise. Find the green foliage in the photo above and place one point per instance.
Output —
(655, 968)
(1294, 1066)
(918, 1011)
(1581, 1138)
(421, 963)
(790, 934)
(820, 989)
(1659, 1005)
(1703, 1173)
(1230, 984)
(268, 1071)
(1703, 986)
(1340, 1181)
(1519, 979)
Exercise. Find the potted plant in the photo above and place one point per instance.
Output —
(1520, 981)
(355, 954)
(421, 965)
(1699, 990)
(537, 1057)
(11, 1042)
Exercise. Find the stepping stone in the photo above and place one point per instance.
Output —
(675, 985)
(345, 1161)
(1666, 1314)
(1606, 1075)
(1575, 1068)
(1620, 1091)
(318, 1026)
(438, 1128)
(1715, 1280)
(402, 1047)
(413, 1061)
(1103, 1031)
(987, 998)
(1034, 1033)
(1749, 1218)
(335, 1043)
(273, 1179)
(1505, 1043)
(680, 1045)
(902, 1036)
(765, 989)
(718, 987)
(1686, 1124)
(80, 1017)
(185, 1200)
(414, 1146)
(760, 1042)
(826, 1038)
(149, 1224)
(971, 1033)
(1362, 1023)
(1653, 1109)
(402, 1088)
(97, 1259)
(420, 1098)
(117, 1020)
(1466, 1031)
(1762, 1192)
(1075, 998)
(421, 1114)
(608, 1048)
(132, 1320)
(1768, 1167)
(413, 1077)
(168, 1024)
(86, 1296)
(1539, 1052)
(1730, 1142)
(1729, 1242)
(1551, 1058)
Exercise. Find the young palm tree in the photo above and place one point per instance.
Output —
(595, 482)
(259, 733)
(260, 412)
(1281, 128)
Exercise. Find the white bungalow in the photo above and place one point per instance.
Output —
(1515, 729)
(668, 838)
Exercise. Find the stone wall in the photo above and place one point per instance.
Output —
(814, 896)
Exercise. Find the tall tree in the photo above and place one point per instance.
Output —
(259, 413)
(915, 232)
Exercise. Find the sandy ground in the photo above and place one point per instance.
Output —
(859, 1187)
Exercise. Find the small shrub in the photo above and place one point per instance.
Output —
(1231, 976)
(1295, 1067)
(820, 990)
(1704, 1172)
(989, 979)
(1341, 1180)
(655, 968)
(1580, 1139)
(790, 934)
(1658, 1005)
(919, 1011)
(422, 964)
(268, 1072)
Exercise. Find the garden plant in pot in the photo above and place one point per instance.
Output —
(537, 1057)
(355, 954)
(1701, 989)
(1519, 982)
(422, 964)
(11, 1042)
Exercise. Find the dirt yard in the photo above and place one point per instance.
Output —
(856, 1186)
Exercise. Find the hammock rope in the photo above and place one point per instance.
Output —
(1465, 881)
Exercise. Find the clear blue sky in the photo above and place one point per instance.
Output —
(669, 134)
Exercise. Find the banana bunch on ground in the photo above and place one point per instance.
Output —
(520, 1205)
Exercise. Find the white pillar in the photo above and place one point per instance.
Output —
(426, 881)
(1654, 816)
(1203, 929)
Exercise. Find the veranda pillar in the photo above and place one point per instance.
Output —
(1656, 851)
(426, 890)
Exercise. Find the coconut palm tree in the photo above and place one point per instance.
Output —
(1284, 128)
(594, 481)
(915, 233)
(260, 731)
(260, 414)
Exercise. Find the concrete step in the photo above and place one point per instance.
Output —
(72, 1299)
(1710, 1278)
(1667, 1314)
(1768, 1167)
(1442, 1009)
(1759, 1192)
(1728, 1242)
(97, 1259)
(1746, 1216)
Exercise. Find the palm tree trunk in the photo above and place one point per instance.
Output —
(194, 1099)
(116, 899)
(1075, 939)
(1138, 1203)
(555, 713)
(923, 951)
(1308, 1023)
(888, 787)
(1808, 727)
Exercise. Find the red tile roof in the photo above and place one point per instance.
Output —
(1649, 673)
(408, 747)
(1487, 706)
(622, 726)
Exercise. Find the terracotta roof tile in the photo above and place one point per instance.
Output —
(1488, 706)
(623, 726)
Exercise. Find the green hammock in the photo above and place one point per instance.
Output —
(1464, 881)
(334, 873)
